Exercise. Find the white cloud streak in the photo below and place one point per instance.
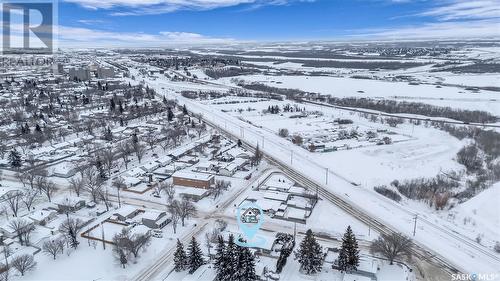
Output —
(148, 7)
(77, 36)
(440, 30)
(464, 10)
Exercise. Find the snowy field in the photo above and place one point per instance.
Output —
(423, 152)
(364, 88)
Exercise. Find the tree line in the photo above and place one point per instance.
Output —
(392, 106)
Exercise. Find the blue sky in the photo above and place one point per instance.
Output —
(169, 22)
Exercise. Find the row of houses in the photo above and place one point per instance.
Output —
(131, 215)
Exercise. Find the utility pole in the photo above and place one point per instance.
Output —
(103, 241)
(291, 157)
(326, 176)
(415, 224)
(294, 230)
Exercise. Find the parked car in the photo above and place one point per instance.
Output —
(157, 233)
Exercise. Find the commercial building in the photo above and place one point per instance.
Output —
(190, 179)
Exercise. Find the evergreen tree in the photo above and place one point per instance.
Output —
(108, 135)
(281, 262)
(220, 262)
(195, 256)
(257, 157)
(231, 257)
(100, 168)
(246, 265)
(15, 159)
(348, 259)
(120, 107)
(239, 143)
(180, 257)
(170, 114)
(184, 110)
(309, 255)
(135, 139)
(112, 104)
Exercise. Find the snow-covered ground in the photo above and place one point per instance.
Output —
(365, 88)
(429, 233)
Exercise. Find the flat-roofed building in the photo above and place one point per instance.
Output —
(191, 179)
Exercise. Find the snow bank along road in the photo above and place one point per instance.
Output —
(450, 251)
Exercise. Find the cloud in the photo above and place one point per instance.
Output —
(465, 10)
(149, 7)
(77, 37)
(91, 22)
(440, 30)
(448, 19)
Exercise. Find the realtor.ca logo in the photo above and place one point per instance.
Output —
(27, 26)
(475, 277)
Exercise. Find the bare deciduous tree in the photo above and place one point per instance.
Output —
(132, 243)
(53, 247)
(93, 182)
(108, 157)
(76, 184)
(104, 196)
(175, 135)
(49, 188)
(392, 246)
(70, 228)
(23, 263)
(124, 149)
(22, 178)
(33, 174)
(186, 209)
(29, 197)
(139, 150)
(173, 209)
(168, 188)
(151, 139)
(119, 184)
(23, 229)
(13, 201)
(219, 187)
